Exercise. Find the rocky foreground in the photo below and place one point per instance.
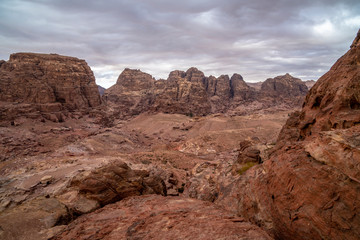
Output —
(191, 157)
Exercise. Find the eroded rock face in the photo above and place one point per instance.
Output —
(192, 93)
(285, 85)
(48, 78)
(137, 92)
(284, 88)
(36, 203)
(45, 86)
(310, 186)
(132, 93)
(156, 217)
(115, 181)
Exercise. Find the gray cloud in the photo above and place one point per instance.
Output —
(257, 38)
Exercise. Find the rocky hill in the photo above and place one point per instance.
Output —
(192, 93)
(309, 188)
(33, 83)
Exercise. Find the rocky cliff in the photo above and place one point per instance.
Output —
(310, 186)
(48, 82)
(192, 93)
(283, 89)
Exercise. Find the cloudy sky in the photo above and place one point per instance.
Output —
(255, 38)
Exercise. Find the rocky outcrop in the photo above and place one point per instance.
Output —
(109, 184)
(43, 197)
(310, 186)
(192, 93)
(156, 217)
(47, 83)
(48, 78)
(285, 85)
(283, 89)
(132, 94)
(184, 93)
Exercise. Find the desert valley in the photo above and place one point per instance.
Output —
(189, 157)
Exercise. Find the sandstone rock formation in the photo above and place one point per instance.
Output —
(183, 93)
(156, 217)
(192, 93)
(46, 83)
(132, 93)
(284, 89)
(310, 186)
(111, 183)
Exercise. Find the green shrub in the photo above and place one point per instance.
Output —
(245, 167)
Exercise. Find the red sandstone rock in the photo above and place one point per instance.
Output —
(114, 182)
(48, 78)
(45, 83)
(192, 93)
(156, 217)
(283, 89)
(310, 186)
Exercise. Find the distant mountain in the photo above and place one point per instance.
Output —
(192, 93)
(310, 83)
(256, 85)
(101, 90)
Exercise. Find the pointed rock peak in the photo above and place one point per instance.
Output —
(287, 77)
(192, 69)
(237, 82)
(236, 76)
(133, 75)
(194, 75)
(356, 42)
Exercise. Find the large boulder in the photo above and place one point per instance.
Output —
(310, 186)
(157, 217)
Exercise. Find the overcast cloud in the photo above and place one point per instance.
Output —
(256, 38)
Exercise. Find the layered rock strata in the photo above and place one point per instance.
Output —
(192, 93)
(310, 186)
(33, 82)
(156, 217)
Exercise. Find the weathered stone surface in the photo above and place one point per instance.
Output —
(132, 93)
(192, 93)
(310, 186)
(183, 93)
(48, 78)
(27, 221)
(137, 92)
(156, 217)
(283, 90)
(285, 85)
(114, 182)
(239, 90)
